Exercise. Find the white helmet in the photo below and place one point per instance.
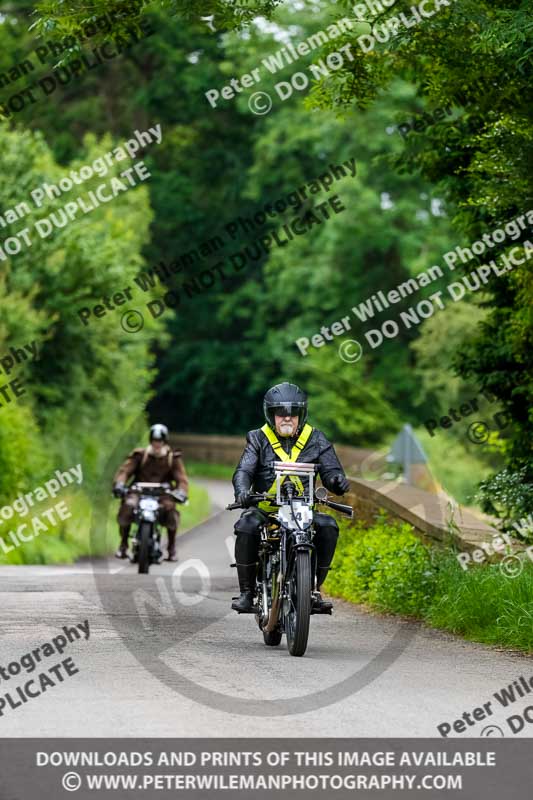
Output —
(159, 431)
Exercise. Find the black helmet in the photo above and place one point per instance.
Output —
(284, 399)
(158, 431)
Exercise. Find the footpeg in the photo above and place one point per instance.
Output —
(324, 609)
(321, 606)
(252, 610)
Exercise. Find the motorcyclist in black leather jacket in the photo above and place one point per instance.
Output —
(285, 410)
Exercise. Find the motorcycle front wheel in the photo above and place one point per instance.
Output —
(299, 607)
(145, 531)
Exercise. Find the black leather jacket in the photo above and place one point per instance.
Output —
(254, 473)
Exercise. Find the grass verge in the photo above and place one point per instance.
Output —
(70, 539)
(197, 469)
(388, 568)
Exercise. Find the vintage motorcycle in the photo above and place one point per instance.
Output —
(146, 545)
(285, 587)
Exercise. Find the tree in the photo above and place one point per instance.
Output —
(87, 380)
(475, 56)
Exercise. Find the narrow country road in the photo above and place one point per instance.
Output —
(167, 657)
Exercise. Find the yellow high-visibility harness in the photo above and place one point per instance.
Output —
(284, 456)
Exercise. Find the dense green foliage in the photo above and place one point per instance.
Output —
(475, 55)
(84, 379)
(240, 336)
(384, 566)
(62, 17)
(387, 567)
(506, 495)
(205, 365)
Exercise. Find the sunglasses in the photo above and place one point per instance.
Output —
(287, 410)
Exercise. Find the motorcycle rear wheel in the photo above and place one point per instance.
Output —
(298, 616)
(144, 547)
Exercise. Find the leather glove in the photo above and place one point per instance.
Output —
(242, 499)
(340, 484)
(119, 489)
(178, 495)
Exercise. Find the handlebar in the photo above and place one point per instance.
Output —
(138, 486)
(155, 489)
(256, 498)
(340, 507)
(250, 498)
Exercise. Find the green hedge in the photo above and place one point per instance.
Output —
(388, 568)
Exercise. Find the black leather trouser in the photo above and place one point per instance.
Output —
(248, 540)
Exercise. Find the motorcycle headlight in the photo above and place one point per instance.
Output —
(149, 503)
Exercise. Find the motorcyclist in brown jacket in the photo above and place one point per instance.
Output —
(157, 463)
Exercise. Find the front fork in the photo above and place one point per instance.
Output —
(279, 595)
(290, 559)
(265, 601)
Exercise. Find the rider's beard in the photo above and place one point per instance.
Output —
(285, 429)
(163, 451)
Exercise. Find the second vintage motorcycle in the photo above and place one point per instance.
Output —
(146, 544)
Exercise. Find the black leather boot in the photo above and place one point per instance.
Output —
(172, 546)
(244, 604)
(122, 551)
(321, 606)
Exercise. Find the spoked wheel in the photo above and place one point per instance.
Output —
(144, 548)
(299, 610)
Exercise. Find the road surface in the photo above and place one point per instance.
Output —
(167, 657)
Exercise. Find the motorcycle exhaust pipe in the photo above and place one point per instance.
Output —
(273, 616)
(274, 609)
